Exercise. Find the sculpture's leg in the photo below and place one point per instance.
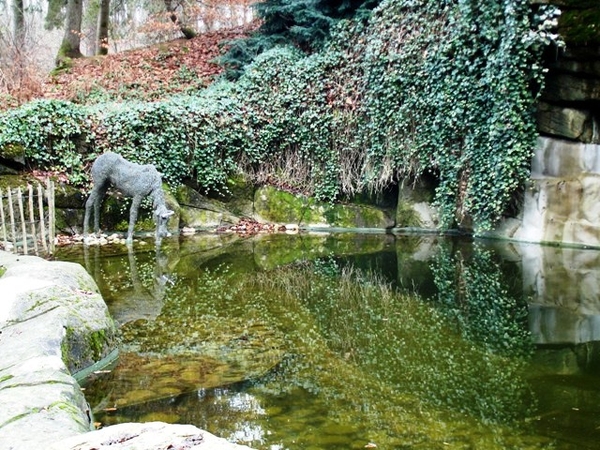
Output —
(86, 218)
(133, 213)
(94, 201)
(100, 193)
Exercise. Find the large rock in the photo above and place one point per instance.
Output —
(414, 208)
(572, 85)
(53, 323)
(577, 124)
(273, 205)
(563, 87)
(579, 60)
(198, 211)
(13, 153)
(147, 436)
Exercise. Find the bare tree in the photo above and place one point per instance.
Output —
(18, 22)
(20, 75)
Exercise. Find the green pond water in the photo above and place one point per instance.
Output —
(350, 341)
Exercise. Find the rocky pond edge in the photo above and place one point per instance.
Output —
(55, 329)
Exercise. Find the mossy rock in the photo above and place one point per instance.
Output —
(67, 196)
(69, 220)
(81, 317)
(204, 218)
(6, 170)
(414, 208)
(273, 205)
(13, 152)
(15, 181)
(358, 216)
(238, 187)
(406, 216)
(241, 196)
(199, 211)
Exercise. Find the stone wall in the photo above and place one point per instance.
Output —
(569, 108)
(562, 202)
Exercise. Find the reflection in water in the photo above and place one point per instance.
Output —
(472, 292)
(137, 299)
(563, 285)
(306, 342)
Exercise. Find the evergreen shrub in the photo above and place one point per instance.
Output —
(53, 133)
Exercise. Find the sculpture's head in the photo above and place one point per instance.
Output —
(161, 217)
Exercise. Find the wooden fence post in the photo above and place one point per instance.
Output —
(10, 237)
(11, 212)
(4, 240)
(51, 225)
(32, 219)
(42, 216)
(22, 217)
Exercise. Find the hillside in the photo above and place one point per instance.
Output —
(149, 73)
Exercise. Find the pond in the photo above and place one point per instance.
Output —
(344, 340)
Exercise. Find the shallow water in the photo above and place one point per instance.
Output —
(341, 341)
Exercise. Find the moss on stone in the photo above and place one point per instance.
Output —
(14, 181)
(65, 347)
(97, 343)
(200, 218)
(279, 206)
(239, 188)
(355, 216)
(12, 151)
(406, 216)
(6, 378)
(80, 349)
(284, 207)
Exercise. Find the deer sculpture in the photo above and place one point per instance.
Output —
(132, 180)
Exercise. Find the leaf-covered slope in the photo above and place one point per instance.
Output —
(148, 73)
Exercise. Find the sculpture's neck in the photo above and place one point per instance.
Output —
(158, 198)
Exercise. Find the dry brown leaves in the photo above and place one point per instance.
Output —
(250, 227)
(153, 70)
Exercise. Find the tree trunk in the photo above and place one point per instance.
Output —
(19, 24)
(188, 32)
(71, 43)
(103, 22)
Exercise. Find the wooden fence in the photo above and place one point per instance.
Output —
(27, 219)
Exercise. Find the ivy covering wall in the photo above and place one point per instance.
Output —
(440, 86)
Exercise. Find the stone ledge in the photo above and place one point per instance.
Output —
(53, 322)
(147, 436)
